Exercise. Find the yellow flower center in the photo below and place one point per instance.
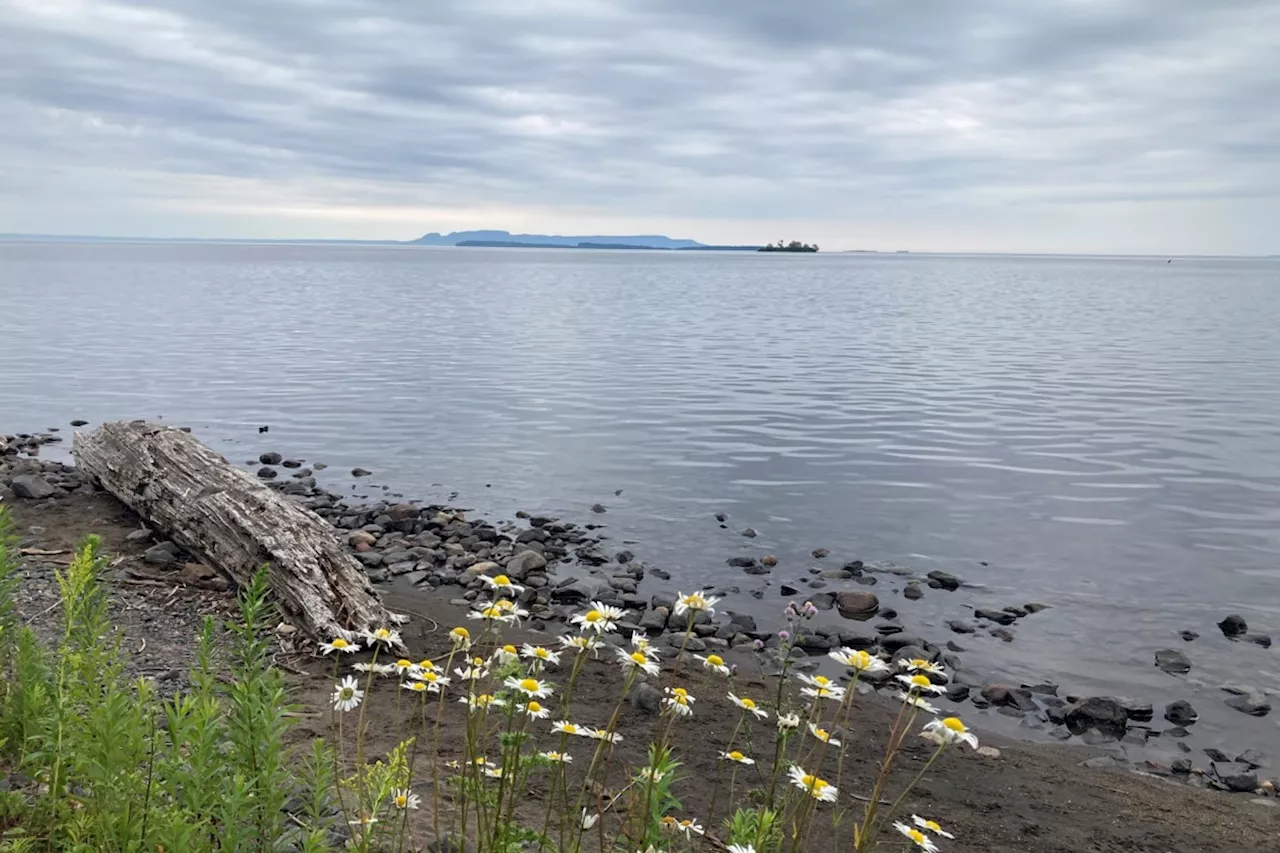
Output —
(715, 660)
(529, 685)
(404, 664)
(822, 733)
(511, 650)
(668, 821)
(571, 728)
(639, 658)
(749, 704)
(915, 835)
(593, 616)
(502, 580)
(540, 652)
(821, 680)
(430, 676)
(382, 634)
(477, 661)
(339, 643)
(461, 633)
(933, 825)
(534, 708)
(954, 724)
(680, 691)
(736, 756)
(417, 685)
(426, 664)
(920, 681)
(503, 604)
(401, 800)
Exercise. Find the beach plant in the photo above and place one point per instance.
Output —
(113, 765)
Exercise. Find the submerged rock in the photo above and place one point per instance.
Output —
(1104, 712)
(998, 616)
(943, 580)
(1180, 713)
(1233, 626)
(1172, 661)
(1253, 704)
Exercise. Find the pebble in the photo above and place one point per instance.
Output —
(750, 533)
(360, 472)
(912, 592)
(988, 752)
(1188, 635)
(820, 553)
(943, 580)
(598, 508)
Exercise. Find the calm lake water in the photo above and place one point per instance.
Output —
(1099, 434)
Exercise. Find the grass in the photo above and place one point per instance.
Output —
(100, 762)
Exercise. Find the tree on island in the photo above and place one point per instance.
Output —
(793, 246)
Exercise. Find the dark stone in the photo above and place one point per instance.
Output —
(1137, 709)
(1188, 635)
(292, 463)
(271, 458)
(855, 604)
(721, 517)
(1172, 661)
(164, 554)
(79, 423)
(32, 487)
(598, 508)
(943, 580)
(1103, 712)
(912, 592)
(1015, 612)
(1258, 640)
(1253, 704)
(961, 627)
(901, 641)
(741, 562)
(787, 589)
(958, 692)
(997, 616)
(820, 553)
(858, 641)
(1180, 713)
(757, 570)
(646, 698)
(369, 559)
(654, 620)
(1044, 688)
(750, 533)
(1003, 634)
(360, 472)
(1004, 695)
(138, 536)
(1236, 777)
(1254, 758)
(663, 599)
(265, 473)
(1034, 607)
(1181, 766)
(1217, 755)
(624, 557)
(1233, 626)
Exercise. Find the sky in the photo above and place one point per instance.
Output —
(1096, 126)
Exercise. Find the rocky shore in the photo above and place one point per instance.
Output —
(444, 552)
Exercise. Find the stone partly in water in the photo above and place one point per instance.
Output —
(750, 533)
(1101, 712)
(32, 487)
(265, 473)
(598, 508)
(912, 592)
(360, 472)
(769, 560)
(1000, 617)
(820, 553)
(1233, 626)
(856, 604)
(1172, 661)
(943, 580)
(271, 458)
(961, 627)
(1180, 713)
(1188, 635)
(1253, 704)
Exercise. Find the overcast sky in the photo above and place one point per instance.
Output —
(982, 125)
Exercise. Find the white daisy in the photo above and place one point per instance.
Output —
(930, 825)
(403, 798)
(919, 665)
(694, 601)
(741, 848)
(538, 653)
(560, 757)
(920, 684)
(823, 735)
(788, 721)
(735, 755)
(601, 618)
(602, 734)
(835, 694)
(490, 612)
(581, 643)
(529, 687)
(636, 661)
(384, 636)
(749, 705)
(501, 585)
(404, 666)
(950, 730)
(715, 663)
(916, 701)
(817, 788)
(921, 840)
(375, 668)
(534, 709)
(460, 637)
(505, 655)
(641, 643)
(339, 644)
(347, 694)
(859, 661)
(482, 701)
(679, 701)
(568, 728)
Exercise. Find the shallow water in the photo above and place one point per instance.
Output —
(1100, 434)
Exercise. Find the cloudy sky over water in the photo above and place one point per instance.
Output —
(983, 125)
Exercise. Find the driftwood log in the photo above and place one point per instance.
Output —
(233, 523)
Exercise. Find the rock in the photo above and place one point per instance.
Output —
(987, 752)
(1181, 766)
(912, 592)
(369, 559)
(1103, 712)
(1258, 640)
(721, 517)
(741, 562)
(757, 570)
(787, 589)
(292, 463)
(519, 566)
(750, 533)
(32, 487)
(360, 472)
(820, 553)
(265, 473)
(598, 508)
(1172, 661)
(1188, 635)
(1236, 777)
(943, 580)
(1137, 709)
(855, 604)
(769, 560)
(1003, 634)
(1233, 626)
(1180, 713)
(361, 537)
(1253, 704)
(645, 697)
(402, 512)
(164, 554)
(1015, 612)
(79, 423)
(958, 692)
(138, 536)
(271, 458)
(961, 627)
(624, 557)
(1254, 759)
(1004, 695)
(997, 616)
(653, 621)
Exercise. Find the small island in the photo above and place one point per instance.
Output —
(793, 246)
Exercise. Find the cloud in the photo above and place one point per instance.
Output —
(1061, 125)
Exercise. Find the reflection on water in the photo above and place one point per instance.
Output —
(1099, 434)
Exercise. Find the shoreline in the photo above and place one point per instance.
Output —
(438, 553)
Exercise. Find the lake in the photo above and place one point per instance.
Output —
(1098, 434)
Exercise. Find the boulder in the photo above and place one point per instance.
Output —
(519, 566)
(1253, 704)
(750, 533)
(856, 604)
(943, 580)
(32, 487)
(1180, 713)
(271, 458)
(912, 592)
(1137, 709)
(961, 627)
(1104, 712)
(1172, 661)
(1233, 626)
(402, 512)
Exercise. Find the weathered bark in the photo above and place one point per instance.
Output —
(232, 522)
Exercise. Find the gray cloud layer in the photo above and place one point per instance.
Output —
(1108, 125)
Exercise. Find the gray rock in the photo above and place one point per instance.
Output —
(1180, 713)
(1236, 777)
(1254, 759)
(519, 566)
(32, 487)
(369, 559)
(1233, 626)
(292, 463)
(962, 627)
(1172, 661)
(138, 536)
(271, 458)
(1096, 712)
(1253, 704)
(598, 508)
(856, 604)
(265, 473)
(741, 562)
(943, 580)
(998, 616)
(1181, 766)
(624, 557)
(912, 592)
(653, 621)
(1034, 607)
(646, 698)
(1137, 709)
(755, 569)
(820, 553)
(79, 423)
(161, 555)
(750, 533)
(1188, 635)
(1258, 640)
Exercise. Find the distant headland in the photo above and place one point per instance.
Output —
(507, 240)
(793, 246)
